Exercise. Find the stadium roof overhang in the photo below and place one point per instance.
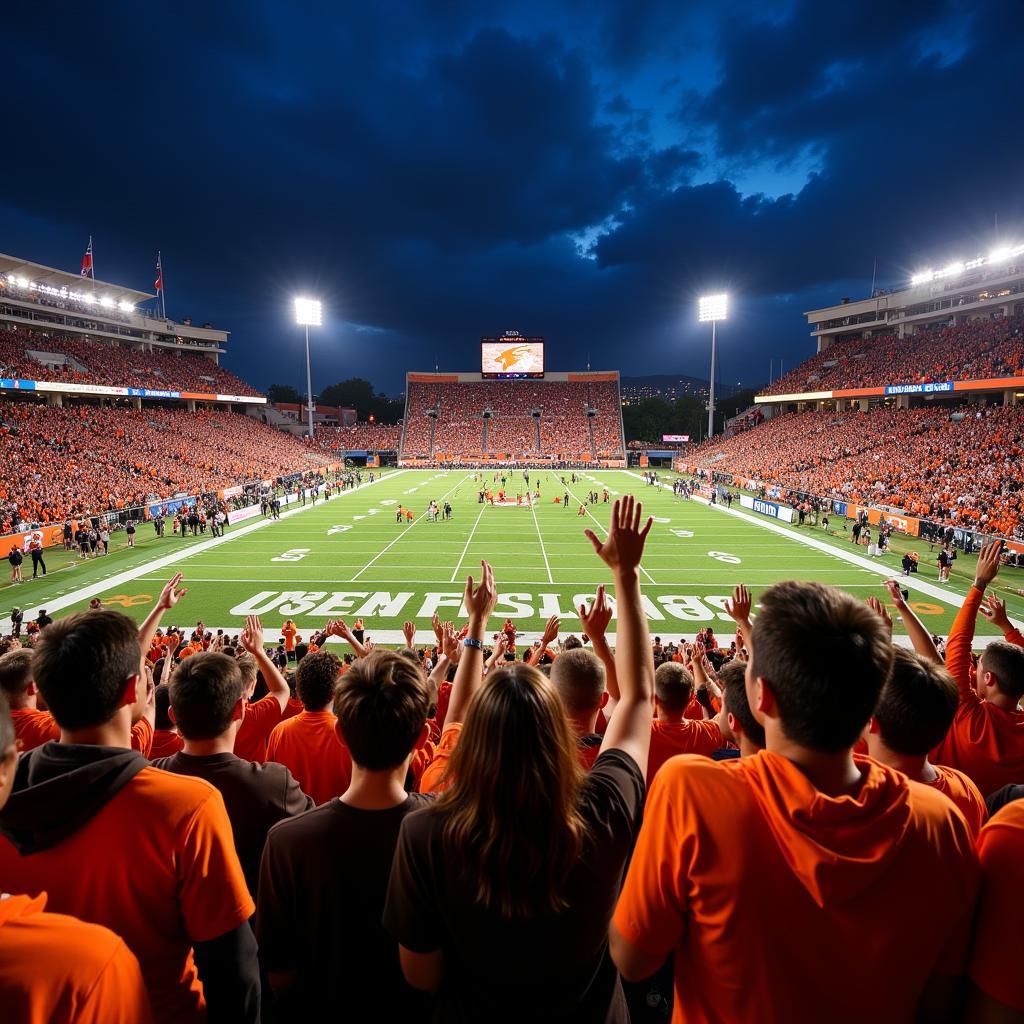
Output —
(65, 279)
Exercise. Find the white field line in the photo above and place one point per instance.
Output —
(148, 568)
(547, 565)
(886, 571)
(458, 564)
(417, 520)
(703, 585)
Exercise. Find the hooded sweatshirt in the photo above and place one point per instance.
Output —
(787, 905)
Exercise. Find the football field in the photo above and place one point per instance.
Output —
(349, 558)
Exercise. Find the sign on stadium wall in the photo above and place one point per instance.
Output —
(909, 525)
(919, 389)
(48, 536)
(15, 384)
(766, 508)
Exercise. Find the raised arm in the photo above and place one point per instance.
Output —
(479, 602)
(595, 625)
(738, 608)
(168, 598)
(173, 642)
(340, 629)
(251, 640)
(994, 609)
(919, 636)
(961, 636)
(629, 728)
(548, 636)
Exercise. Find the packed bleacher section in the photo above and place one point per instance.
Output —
(446, 419)
(62, 461)
(963, 467)
(83, 360)
(370, 437)
(801, 818)
(973, 351)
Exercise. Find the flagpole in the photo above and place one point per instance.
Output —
(92, 264)
(163, 293)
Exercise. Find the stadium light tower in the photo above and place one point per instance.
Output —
(713, 308)
(308, 313)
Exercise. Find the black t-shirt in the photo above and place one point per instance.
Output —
(257, 796)
(322, 886)
(555, 968)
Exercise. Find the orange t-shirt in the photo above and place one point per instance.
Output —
(55, 968)
(35, 727)
(157, 866)
(964, 793)
(821, 906)
(260, 718)
(165, 743)
(685, 737)
(998, 951)
(984, 742)
(292, 708)
(288, 632)
(309, 747)
(432, 779)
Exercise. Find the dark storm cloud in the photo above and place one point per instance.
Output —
(441, 171)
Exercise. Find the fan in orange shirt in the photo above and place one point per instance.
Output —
(263, 715)
(998, 951)
(288, 633)
(825, 903)
(162, 868)
(308, 745)
(986, 739)
(55, 969)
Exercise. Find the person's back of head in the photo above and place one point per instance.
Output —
(248, 668)
(316, 678)
(82, 664)
(16, 676)
(572, 643)
(916, 706)
(381, 705)
(733, 680)
(1002, 665)
(673, 687)
(824, 657)
(204, 692)
(579, 677)
(162, 705)
(8, 751)
(512, 816)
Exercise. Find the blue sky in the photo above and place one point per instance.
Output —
(577, 170)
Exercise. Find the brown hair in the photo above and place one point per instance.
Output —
(512, 814)
(673, 686)
(579, 678)
(15, 672)
(917, 704)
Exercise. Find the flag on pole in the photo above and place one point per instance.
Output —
(87, 262)
(158, 284)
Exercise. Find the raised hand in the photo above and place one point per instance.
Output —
(435, 622)
(173, 642)
(480, 600)
(988, 564)
(550, 631)
(623, 548)
(880, 610)
(595, 620)
(409, 632)
(896, 594)
(739, 605)
(994, 609)
(251, 637)
(170, 596)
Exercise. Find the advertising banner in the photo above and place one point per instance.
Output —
(919, 389)
(237, 515)
(766, 508)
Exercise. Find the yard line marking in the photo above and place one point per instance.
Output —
(147, 568)
(547, 566)
(458, 564)
(604, 528)
(418, 519)
(704, 585)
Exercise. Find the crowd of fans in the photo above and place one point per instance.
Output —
(962, 468)
(978, 350)
(791, 824)
(452, 416)
(370, 437)
(67, 461)
(95, 361)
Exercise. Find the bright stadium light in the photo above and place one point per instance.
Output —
(998, 255)
(107, 302)
(952, 270)
(126, 307)
(713, 308)
(308, 313)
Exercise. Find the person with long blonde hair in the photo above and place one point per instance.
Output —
(501, 892)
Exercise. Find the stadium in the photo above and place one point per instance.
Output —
(370, 652)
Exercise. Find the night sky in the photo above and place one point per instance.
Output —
(576, 170)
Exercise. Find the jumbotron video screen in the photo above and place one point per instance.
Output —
(511, 357)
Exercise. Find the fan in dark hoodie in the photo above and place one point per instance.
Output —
(117, 842)
(803, 883)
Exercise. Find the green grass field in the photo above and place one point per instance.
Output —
(349, 558)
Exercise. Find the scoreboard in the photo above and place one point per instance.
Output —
(511, 357)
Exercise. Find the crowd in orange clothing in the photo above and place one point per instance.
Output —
(67, 461)
(963, 467)
(370, 437)
(512, 833)
(973, 351)
(84, 360)
(452, 416)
